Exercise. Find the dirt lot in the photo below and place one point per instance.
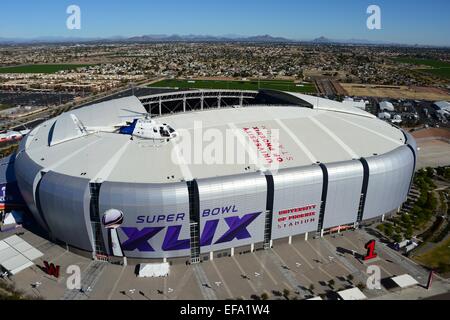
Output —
(395, 92)
(435, 133)
(434, 147)
(434, 153)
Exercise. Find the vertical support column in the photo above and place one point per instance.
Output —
(219, 101)
(365, 185)
(290, 240)
(194, 219)
(202, 101)
(383, 217)
(160, 106)
(252, 247)
(211, 256)
(184, 103)
(306, 236)
(269, 211)
(99, 242)
(241, 100)
(323, 199)
(232, 252)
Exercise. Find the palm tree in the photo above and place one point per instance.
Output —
(311, 288)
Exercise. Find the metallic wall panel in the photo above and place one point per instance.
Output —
(390, 178)
(344, 193)
(156, 218)
(296, 201)
(65, 204)
(28, 175)
(232, 211)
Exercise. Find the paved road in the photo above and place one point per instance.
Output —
(203, 283)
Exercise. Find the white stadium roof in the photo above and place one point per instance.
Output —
(330, 132)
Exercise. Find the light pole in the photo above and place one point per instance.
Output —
(36, 286)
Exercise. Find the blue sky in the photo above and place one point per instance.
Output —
(403, 21)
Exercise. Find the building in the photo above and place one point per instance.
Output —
(308, 168)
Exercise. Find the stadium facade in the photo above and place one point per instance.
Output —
(338, 166)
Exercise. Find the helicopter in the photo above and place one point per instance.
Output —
(149, 129)
(143, 128)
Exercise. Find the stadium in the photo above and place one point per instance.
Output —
(93, 183)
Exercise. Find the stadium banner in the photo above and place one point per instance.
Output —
(232, 211)
(155, 221)
(297, 197)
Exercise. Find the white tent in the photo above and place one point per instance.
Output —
(14, 217)
(352, 294)
(316, 298)
(350, 102)
(404, 281)
(386, 105)
(17, 255)
(153, 270)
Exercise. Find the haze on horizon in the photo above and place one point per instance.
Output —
(404, 22)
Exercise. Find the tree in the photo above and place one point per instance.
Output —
(264, 296)
(350, 278)
(361, 286)
(311, 288)
(397, 237)
(286, 293)
(389, 230)
(331, 283)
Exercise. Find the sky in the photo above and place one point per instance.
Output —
(424, 22)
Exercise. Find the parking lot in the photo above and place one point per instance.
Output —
(294, 267)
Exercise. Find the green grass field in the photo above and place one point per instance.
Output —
(281, 85)
(437, 68)
(439, 257)
(41, 68)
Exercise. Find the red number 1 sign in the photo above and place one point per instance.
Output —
(370, 246)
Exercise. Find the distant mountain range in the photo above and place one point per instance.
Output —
(154, 38)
